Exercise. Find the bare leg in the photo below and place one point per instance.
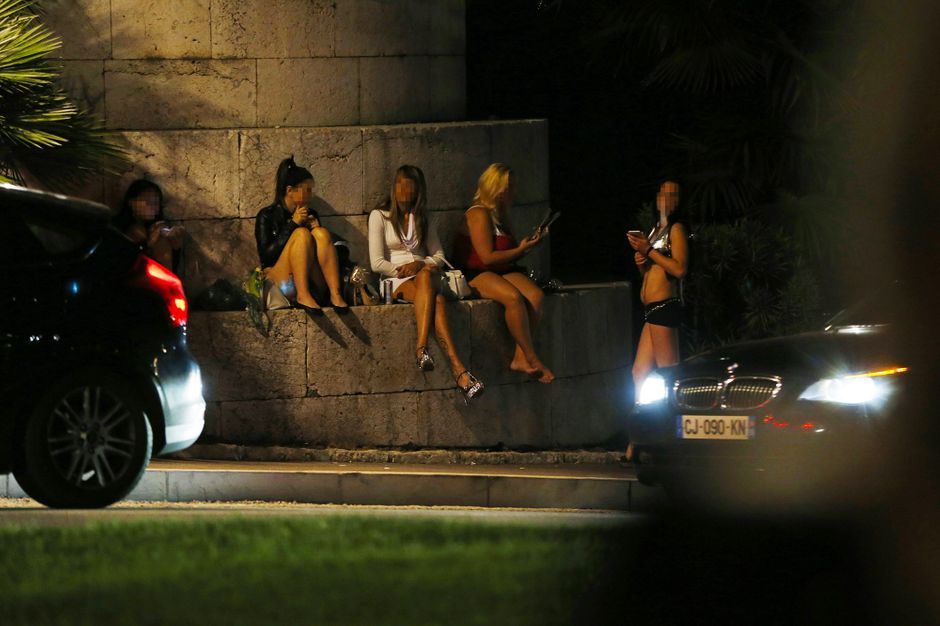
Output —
(495, 287)
(420, 290)
(665, 344)
(329, 264)
(534, 296)
(444, 339)
(645, 359)
(297, 260)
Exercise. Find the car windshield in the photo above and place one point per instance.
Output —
(871, 311)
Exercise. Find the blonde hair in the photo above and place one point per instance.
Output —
(493, 181)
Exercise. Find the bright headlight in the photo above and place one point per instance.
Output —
(863, 388)
(652, 390)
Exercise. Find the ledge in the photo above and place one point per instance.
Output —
(350, 381)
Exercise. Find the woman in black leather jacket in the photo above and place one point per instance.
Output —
(297, 254)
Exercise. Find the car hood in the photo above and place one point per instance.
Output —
(825, 353)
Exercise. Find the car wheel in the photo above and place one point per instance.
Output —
(86, 443)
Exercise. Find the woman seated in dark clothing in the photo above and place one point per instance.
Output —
(297, 254)
(141, 219)
(488, 252)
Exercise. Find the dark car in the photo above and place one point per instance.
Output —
(795, 419)
(95, 373)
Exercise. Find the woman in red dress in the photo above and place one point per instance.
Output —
(488, 252)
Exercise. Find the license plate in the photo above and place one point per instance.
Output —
(714, 427)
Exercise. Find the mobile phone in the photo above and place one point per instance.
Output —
(636, 233)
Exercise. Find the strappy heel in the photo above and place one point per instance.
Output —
(473, 389)
(424, 360)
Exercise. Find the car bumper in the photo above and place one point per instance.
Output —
(179, 380)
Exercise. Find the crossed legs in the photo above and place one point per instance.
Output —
(430, 305)
(522, 301)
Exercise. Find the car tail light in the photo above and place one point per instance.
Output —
(151, 275)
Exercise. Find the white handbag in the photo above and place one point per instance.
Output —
(455, 285)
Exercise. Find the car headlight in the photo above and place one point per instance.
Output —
(652, 390)
(862, 388)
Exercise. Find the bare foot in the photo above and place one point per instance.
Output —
(546, 374)
(521, 364)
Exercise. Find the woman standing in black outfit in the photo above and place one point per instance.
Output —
(297, 254)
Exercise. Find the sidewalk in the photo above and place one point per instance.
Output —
(567, 486)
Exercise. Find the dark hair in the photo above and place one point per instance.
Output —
(125, 216)
(289, 174)
(677, 215)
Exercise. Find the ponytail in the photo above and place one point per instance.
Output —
(289, 174)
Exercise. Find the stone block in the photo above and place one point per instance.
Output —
(394, 90)
(448, 225)
(588, 410)
(552, 493)
(238, 363)
(308, 92)
(370, 28)
(84, 82)
(512, 415)
(424, 490)
(144, 29)
(83, 25)
(586, 347)
(197, 171)
(523, 146)
(493, 347)
(355, 230)
(243, 28)
(333, 156)
(371, 350)
(448, 88)
(452, 157)
(550, 334)
(373, 420)
(180, 94)
(200, 486)
(619, 327)
(217, 249)
(152, 487)
(213, 417)
(448, 27)
(523, 220)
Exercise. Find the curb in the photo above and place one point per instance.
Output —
(579, 488)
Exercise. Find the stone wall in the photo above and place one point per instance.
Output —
(351, 380)
(183, 64)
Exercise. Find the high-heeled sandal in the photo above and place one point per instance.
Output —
(474, 387)
(424, 360)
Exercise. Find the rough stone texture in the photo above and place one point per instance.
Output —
(394, 89)
(338, 420)
(448, 88)
(213, 417)
(368, 28)
(516, 414)
(587, 410)
(180, 94)
(217, 249)
(452, 156)
(197, 170)
(243, 28)
(493, 346)
(83, 25)
(308, 92)
(84, 82)
(448, 28)
(523, 145)
(143, 29)
(371, 350)
(333, 156)
(238, 363)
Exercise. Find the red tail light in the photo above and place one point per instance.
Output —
(151, 275)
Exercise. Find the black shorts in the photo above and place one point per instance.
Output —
(664, 312)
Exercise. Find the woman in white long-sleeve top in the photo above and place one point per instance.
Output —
(404, 245)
